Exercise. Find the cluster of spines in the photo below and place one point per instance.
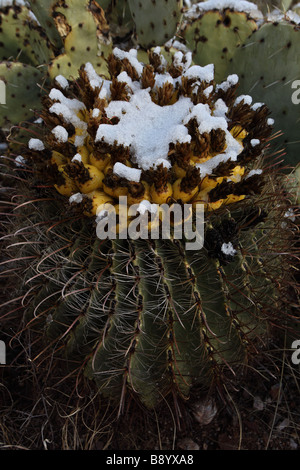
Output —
(93, 175)
(149, 317)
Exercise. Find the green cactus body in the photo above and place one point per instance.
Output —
(43, 9)
(266, 7)
(277, 46)
(21, 39)
(79, 25)
(16, 75)
(149, 317)
(156, 21)
(213, 36)
(66, 37)
(119, 17)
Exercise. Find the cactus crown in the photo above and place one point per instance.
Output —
(157, 132)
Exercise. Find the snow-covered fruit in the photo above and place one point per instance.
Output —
(101, 144)
(148, 318)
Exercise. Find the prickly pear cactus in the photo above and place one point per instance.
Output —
(156, 21)
(22, 93)
(213, 35)
(147, 316)
(44, 42)
(21, 38)
(84, 31)
(276, 45)
(118, 15)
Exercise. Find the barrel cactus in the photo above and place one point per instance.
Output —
(145, 316)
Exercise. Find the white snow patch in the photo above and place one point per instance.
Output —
(79, 139)
(253, 172)
(77, 158)
(93, 77)
(165, 163)
(146, 127)
(221, 108)
(163, 62)
(245, 98)
(202, 113)
(227, 249)
(254, 142)
(123, 171)
(131, 56)
(206, 73)
(256, 106)
(61, 134)
(183, 60)
(208, 91)
(36, 144)
(270, 122)
(67, 108)
(62, 81)
(96, 112)
(78, 197)
(20, 161)
(231, 81)
(293, 16)
(236, 5)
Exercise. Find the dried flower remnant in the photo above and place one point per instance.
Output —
(169, 128)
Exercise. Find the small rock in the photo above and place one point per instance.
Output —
(293, 444)
(188, 444)
(258, 404)
(275, 391)
(205, 411)
(284, 424)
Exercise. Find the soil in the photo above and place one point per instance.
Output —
(41, 408)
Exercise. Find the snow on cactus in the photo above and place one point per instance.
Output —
(147, 317)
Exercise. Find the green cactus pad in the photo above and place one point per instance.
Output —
(267, 6)
(268, 64)
(119, 17)
(22, 92)
(22, 39)
(43, 10)
(156, 21)
(79, 29)
(214, 36)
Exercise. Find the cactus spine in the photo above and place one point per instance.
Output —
(148, 317)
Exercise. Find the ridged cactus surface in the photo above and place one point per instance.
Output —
(149, 317)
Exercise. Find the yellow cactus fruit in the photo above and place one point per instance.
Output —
(84, 153)
(161, 197)
(101, 164)
(179, 172)
(178, 193)
(209, 183)
(96, 200)
(58, 159)
(92, 180)
(66, 185)
(238, 132)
